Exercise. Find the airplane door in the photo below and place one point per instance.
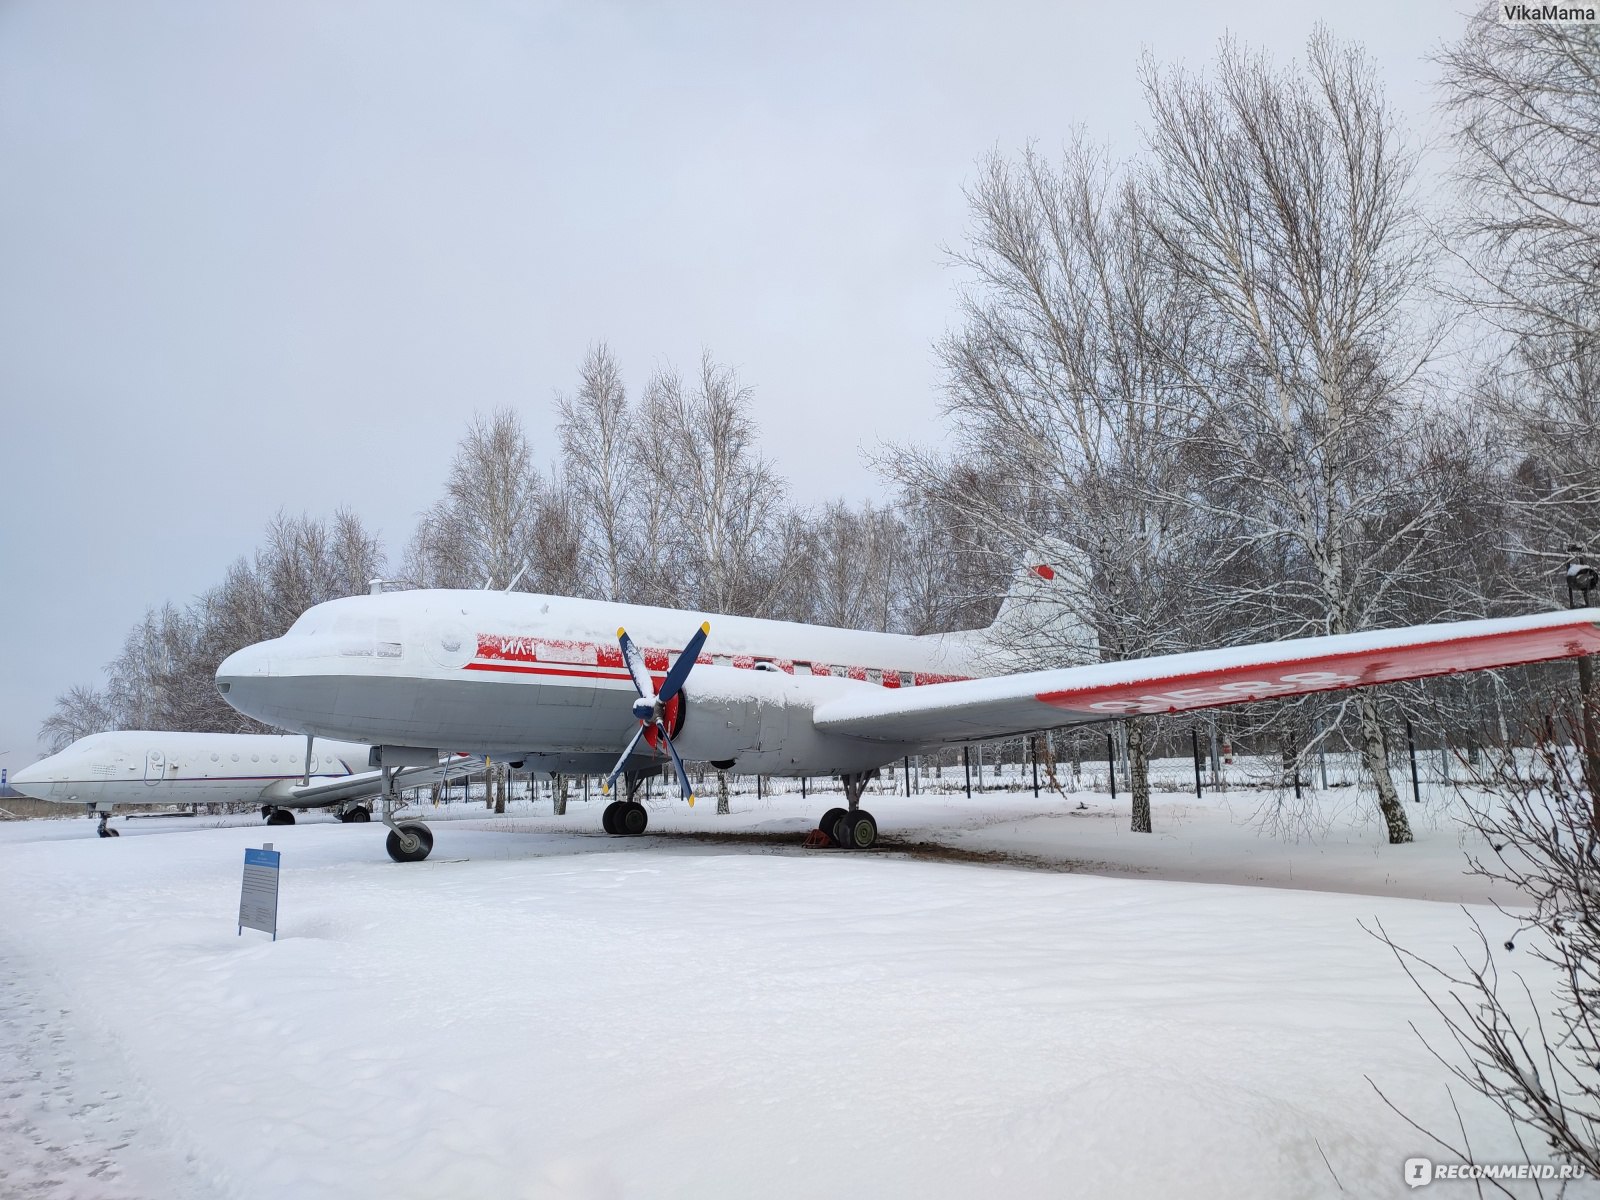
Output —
(155, 768)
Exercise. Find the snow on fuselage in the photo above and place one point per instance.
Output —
(142, 767)
(519, 673)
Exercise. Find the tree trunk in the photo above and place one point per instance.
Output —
(1139, 776)
(1376, 761)
(499, 783)
(558, 794)
(722, 793)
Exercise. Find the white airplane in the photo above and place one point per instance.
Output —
(137, 767)
(553, 683)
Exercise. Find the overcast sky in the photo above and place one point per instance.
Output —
(259, 255)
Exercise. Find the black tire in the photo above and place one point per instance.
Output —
(633, 819)
(266, 811)
(859, 831)
(420, 850)
(829, 820)
(840, 833)
(112, 832)
(280, 816)
(358, 815)
(608, 818)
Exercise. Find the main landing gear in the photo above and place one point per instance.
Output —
(105, 830)
(355, 814)
(626, 818)
(852, 828)
(411, 841)
(277, 816)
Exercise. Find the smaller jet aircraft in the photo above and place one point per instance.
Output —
(139, 768)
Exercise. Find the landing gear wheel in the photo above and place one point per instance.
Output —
(830, 819)
(410, 843)
(357, 815)
(280, 816)
(857, 831)
(608, 819)
(266, 811)
(105, 831)
(633, 818)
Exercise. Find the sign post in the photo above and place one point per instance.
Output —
(258, 895)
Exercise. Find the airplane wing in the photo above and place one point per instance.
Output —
(370, 783)
(1007, 705)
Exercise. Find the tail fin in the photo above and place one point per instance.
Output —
(1043, 621)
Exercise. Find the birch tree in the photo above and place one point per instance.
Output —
(713, 525)
(1524, 103)
(597, 466)
(1283, 202)
(1056, 389)
(480, 533)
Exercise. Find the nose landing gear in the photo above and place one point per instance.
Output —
(105, 830)
(410, 841)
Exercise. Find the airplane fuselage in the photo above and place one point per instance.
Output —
(541, 678)
(136, 768)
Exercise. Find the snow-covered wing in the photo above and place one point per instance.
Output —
(370, 783)
(1011, 704)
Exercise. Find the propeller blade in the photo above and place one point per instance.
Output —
(683, 776)
(680, 669)
(635, 664)
(605, 788)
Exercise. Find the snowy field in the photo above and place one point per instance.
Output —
(1013, 997)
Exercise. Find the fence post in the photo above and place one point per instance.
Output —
(1111, 764)
(966, 761)
(1194, 737)
(1411, 744)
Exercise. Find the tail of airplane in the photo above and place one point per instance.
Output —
(1044, 618)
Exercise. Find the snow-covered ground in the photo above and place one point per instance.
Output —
(540, 1010)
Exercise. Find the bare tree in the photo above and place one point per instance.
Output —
(480, 534)
(1283, 200)
(597, 469)
(853, 559)
(712, 526)
(1525, 99)
(79, 712)
(1533, 1059)
(1058, 392)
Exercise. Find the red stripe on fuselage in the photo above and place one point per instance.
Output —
(572, 659)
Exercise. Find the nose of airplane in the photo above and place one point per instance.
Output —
(35, 780)
(247, 681)
(251, 663)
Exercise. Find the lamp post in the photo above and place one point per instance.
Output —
(1582, 580)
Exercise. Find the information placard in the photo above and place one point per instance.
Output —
(258, 896)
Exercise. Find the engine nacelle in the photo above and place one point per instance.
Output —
(760, 721)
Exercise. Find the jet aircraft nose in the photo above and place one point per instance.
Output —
(37, 779)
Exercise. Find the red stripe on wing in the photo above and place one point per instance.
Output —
(1330, 672)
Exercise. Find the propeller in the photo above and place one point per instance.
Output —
(650, 708)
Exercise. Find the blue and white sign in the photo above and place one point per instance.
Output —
(258, 896)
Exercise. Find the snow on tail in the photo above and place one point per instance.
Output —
(1043, 619)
